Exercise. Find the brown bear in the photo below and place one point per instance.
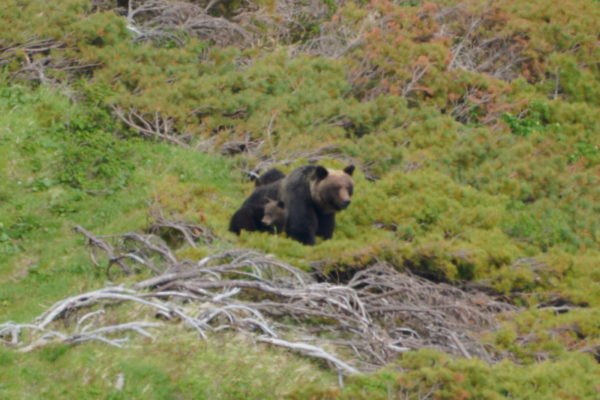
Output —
(312, 194)
(274, 214)
(249, 216)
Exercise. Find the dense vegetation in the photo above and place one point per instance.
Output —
(474, 126)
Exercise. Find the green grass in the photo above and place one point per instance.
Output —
(178, 366)
(41, 258)
(572, 377)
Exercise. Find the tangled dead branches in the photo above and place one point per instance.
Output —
(150, 250)
(358, 326)
(497, 55)
(152, 125)
(161, 20)
(36, 62)
(191, 233)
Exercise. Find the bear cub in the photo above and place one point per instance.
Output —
(249, 216)
(274, 214)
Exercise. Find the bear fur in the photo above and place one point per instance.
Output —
(312, 195)
(274, 214)
(272, 175)
(249, 216)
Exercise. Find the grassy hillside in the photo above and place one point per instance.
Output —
(474, 126)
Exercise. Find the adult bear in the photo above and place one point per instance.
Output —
(249, 216)
(312, 194)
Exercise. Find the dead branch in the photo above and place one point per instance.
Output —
(95, 243)
(152, 125)
(418, 71)
(162, 20)
(364, 324)
(127, 249)
(192, 233)
(335, 39)
(500, 56)
(37, 61)
(29, 48)
(312, 351)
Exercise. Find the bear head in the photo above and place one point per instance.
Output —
(274, 213)
(331, 189)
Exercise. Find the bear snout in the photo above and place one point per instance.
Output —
(344, 204)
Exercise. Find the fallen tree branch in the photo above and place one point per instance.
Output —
(152, 125)
(162, 20)
(312, 351)
(379, 314)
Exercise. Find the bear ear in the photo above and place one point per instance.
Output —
(321, 172)
(280, 204)
(349, 169)
(253, 176)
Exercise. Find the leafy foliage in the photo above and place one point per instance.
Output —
(428, 372)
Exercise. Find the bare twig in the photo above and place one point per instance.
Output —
(312, 351)
(190, 232)
(152, 125)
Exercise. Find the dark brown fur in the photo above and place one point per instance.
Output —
(274, 214)
(249, 216)
(270, 176)
(312, 195)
